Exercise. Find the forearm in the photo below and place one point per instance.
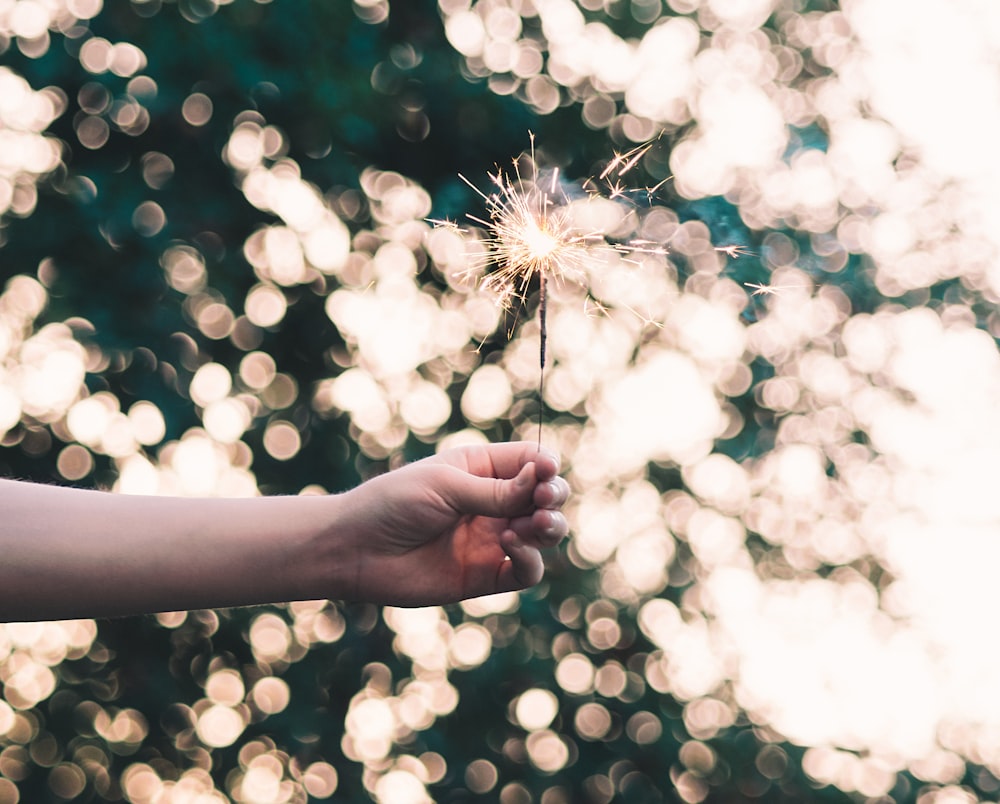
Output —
(71, 553)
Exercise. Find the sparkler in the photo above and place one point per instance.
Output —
(529, 234)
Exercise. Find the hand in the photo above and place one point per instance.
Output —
(467, 522)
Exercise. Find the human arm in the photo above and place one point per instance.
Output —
(435, 531)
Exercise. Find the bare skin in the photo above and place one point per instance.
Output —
(468, 522)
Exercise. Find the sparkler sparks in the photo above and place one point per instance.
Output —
(760, 289)
(529, 235)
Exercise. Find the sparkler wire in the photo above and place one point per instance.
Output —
(541, 356)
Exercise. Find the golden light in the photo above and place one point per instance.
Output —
(535, 709)
(884, 428)
(271, 695)
(218, 726)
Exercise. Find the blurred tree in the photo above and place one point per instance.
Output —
(165, 244)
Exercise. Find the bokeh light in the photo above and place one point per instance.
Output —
(773, 390)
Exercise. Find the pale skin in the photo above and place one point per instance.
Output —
(467, 522)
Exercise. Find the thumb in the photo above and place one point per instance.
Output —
(490, 496)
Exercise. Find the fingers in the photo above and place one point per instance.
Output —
(551, 493)
(524, 567)
(543, 528)
(485, 496)
(504, 460)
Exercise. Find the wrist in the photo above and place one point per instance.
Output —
(331, 563)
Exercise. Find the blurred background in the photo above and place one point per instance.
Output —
(772, 377)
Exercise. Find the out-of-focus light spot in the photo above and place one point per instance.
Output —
(257, 370)
(74, 462)
(481, 776)
(263, 782)
(425, 408)
(95, 55)
(371, 727)
(400, 785)
(219, 726)
(94, 98)
(271, 695)
(315, 621)
(611, 680)
(706, 717)
(265, 305)
(149, 219)
(199, 466)
(270, 638)
(211, 382)
(644, 417)
(6, 717)
(185, 268)
(245, 147)
(432, 768)
(470, 645)
(320, 780)
(716, 540)
(157, 169)
(126, 59)
(488, 395)
(466, 32)
(142, 87)
(644, 728)
(282, 440)
(547, 750)
(27, 682)
(603, 633)
(141, 783)
(281, 393)
(575, 674)
(278, 256)
(501, 603)
(226, 419)
(421, 633)
(127, 726)
(746, 16)
(171, 619)
(357, 392)
(327, 246)
(645, 558)
(89, 418)
(197, 109)
(10, 408)
(26, 298)
(601, 518)
(592, 721)
(371, 12)
(215, 320)
(396, 326)
(29, 19)
(395, 199)
(225, 687)
(147, 423)
(137, 475)
(536, 709)
(51, 374)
